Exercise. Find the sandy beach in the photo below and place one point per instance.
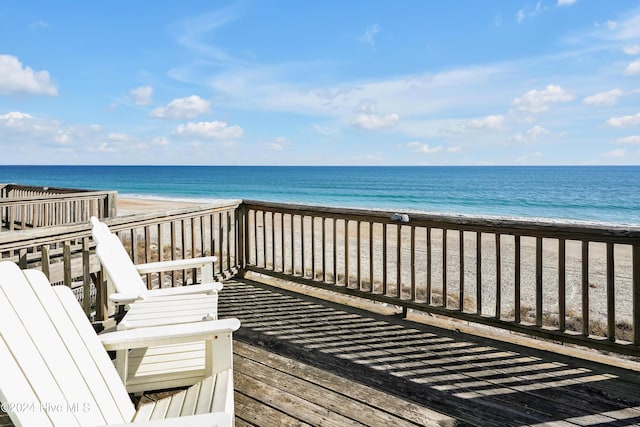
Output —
(129, 206)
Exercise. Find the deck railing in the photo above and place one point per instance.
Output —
(23, 207)
(66, 254)
(571, 283)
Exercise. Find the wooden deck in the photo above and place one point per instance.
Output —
(305, 361)
(475, 380)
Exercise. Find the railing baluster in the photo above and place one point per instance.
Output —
(517, 279)
(335, 251)
(273, 242)
(371, 272)
(562, 284)
(539, 294)
(263, 216)
(429, 269)
(585, 288)
(384, 259)
(255, 238)
(147, 249)
(636, 293)
(358, 255)
(313, 247)
(498, 277)
(173, 251)
(479, 273)
(282, 241)
(302, 248)
(461, 294)
(86, 277)
(398, 260)
(412, 295)
(292, 240)
(445, 291)
(324, 248)
(611, 295)
(346, 253)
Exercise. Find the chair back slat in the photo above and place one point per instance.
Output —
(89, 355)
(119, 267)
(51, 350)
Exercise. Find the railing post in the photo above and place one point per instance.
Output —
(111, 205)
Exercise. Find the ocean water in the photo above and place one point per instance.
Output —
(590, 193)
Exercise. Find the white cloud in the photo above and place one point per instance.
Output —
(633, 68)
(161, 140)
(423, 148)
(277, 144)
(530, 135)
(376, 121)
(520, 16)
(14, 119)
(209, 130)
(632, 50)
(538, 101)
(624, 121)
(142, 95)
(634, 139)
(118, 137)
(62, 137)
(455, 149)
(603, 98)
(619, 152)
(14, 78)
(566, 2)
(369, 35)
(183, 108)
(628, 29)
(489, 122)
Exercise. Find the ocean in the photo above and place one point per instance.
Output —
(602, 194)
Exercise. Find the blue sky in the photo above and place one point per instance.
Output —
(320, 83)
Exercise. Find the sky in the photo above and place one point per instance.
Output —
(289, 82)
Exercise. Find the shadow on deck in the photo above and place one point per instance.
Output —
(475, 380)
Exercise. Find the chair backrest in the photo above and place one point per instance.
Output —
(53, 368)
(116, 261)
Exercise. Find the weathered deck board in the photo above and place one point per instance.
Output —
(478, 381)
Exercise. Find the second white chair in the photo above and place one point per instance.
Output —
(125, 275)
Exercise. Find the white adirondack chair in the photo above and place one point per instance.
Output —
(54, 370)
(125, 275)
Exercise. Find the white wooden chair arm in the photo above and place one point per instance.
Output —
(170, 334)
(201, 288)
(178, 264)
(217, 419)
(123, 299)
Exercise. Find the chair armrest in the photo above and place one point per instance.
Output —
(168, 334)
(123, 299)
(200, 288)
(219, 419)
(178, 264)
